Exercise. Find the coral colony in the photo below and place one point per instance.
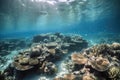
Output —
(99, 62)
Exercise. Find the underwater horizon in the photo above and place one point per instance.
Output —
(59, 39)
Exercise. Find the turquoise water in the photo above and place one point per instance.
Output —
(67, 16)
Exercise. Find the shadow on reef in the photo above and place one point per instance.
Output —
(41, 57)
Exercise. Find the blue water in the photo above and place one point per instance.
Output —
(27, 17)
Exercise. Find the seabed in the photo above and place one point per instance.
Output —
(58, 56)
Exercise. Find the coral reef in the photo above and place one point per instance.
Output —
(8, 45)
(100, 62)
(41, 57)
(72, 43)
